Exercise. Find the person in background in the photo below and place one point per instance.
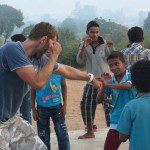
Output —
(49, 105)
(134, 121)
(93, 51)
(135, 50)
(120, 87)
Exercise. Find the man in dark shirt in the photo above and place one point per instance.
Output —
(25, 108)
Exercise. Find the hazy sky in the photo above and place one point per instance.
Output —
(61, 9)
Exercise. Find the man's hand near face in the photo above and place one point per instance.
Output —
(54, 47)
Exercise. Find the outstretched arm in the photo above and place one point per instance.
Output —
(100, 95)
(123, 86)
(75, 74)
(120, 86)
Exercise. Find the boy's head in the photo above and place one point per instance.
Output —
(18, 37)
(41, 34)
(93, 30)
(140, 76)
(135, 35)
(117, 63)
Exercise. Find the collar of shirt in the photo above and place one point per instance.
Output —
(100, 41)
(134, 48)
(136, 45)
(124, 79)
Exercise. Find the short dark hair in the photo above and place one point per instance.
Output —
(135, 34)
(18, 37)
(92, 24)
(42, 29)
(118, 55)
(140, 76)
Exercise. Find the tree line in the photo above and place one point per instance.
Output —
(71, 32)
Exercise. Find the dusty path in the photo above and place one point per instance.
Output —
(73, 117)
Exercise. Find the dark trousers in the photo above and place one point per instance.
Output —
(88, 105)
(43, 126)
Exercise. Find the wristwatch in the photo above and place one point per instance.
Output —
(91, 77)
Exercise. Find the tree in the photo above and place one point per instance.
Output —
(112, 31)
(27, 30)
(9, 18)
(70, 47)
(70, 24)
(147, 22)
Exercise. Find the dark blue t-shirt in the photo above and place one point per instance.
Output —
(12, 88)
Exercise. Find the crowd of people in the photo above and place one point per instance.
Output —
(32, 79)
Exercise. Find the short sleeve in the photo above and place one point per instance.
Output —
(125, 123)
(43, 60)
(16, 58)
(56, 66)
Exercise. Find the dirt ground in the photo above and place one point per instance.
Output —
(73, 116)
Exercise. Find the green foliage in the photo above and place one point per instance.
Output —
(77, 26)
(113, 31)
(27, 30)
(70, 24)
(70, 47)
(9, 18)
(147, 22)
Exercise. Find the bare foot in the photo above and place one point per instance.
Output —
(94, 128)
(86, 136)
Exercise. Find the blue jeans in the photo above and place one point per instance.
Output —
(25, 108)
(43, 126)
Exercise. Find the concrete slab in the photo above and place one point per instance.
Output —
(87, 144)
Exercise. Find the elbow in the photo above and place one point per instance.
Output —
(38, 86)
(67, 72)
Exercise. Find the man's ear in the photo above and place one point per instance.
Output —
(43, 39)
(87, 32)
